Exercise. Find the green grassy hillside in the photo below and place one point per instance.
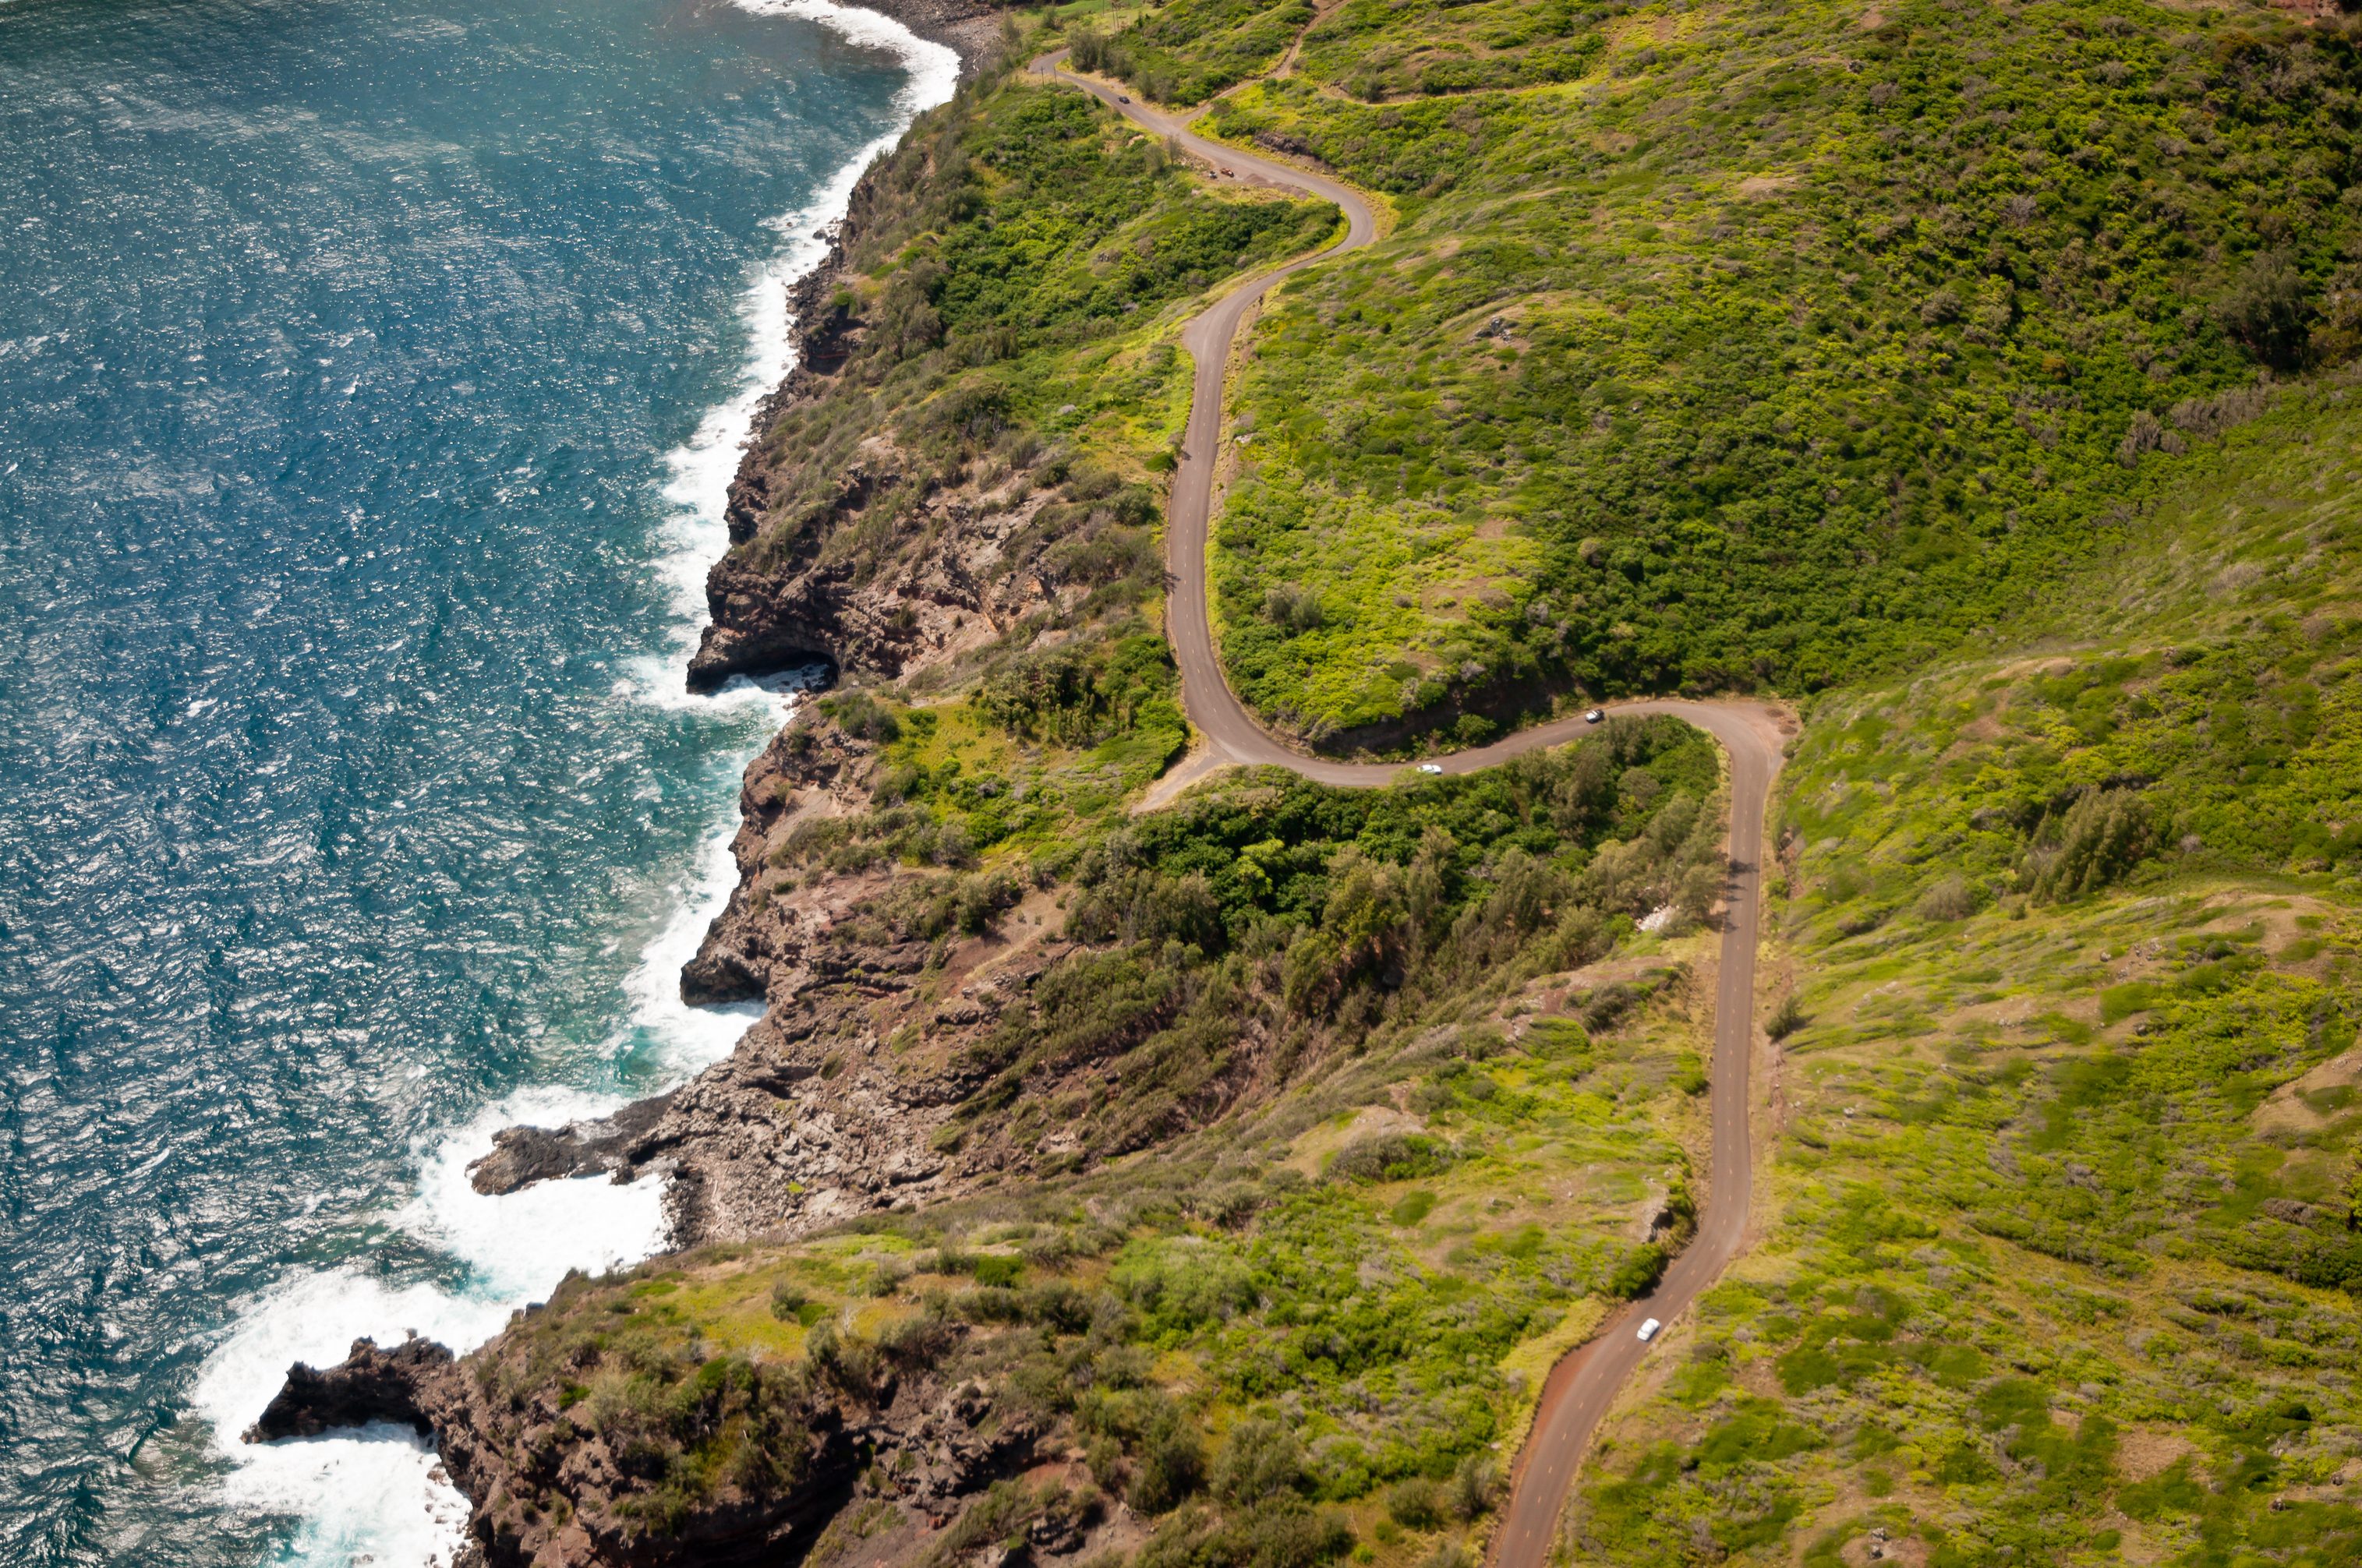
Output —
(1786, 343)
(1979, 369)
(2061, 1258)
(1388, 1105)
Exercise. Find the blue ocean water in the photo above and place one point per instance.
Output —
(371, 371)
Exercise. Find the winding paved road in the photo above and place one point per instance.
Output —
(1585, 1384)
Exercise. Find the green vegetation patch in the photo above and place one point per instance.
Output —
(2066, 1265)
(1378, 50)
(1310, 1319)
(1239, 937)
(1187, 51)
(1785, 351)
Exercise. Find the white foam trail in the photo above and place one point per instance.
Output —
(378, 1496)
(518, 1244)
(699, 471)
(689, 1039)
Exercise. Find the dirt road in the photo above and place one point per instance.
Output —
(1583, 1385)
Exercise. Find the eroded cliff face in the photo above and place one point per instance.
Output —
(882, 564)
(571, 1462)
(839, 1102)
(947, 585)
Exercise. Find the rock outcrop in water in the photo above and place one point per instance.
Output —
(369, 1384)
(523, 1155)
(560, 1483)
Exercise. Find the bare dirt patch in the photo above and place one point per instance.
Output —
(2144, 1452)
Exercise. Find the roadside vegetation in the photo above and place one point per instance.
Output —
(1333, 1310)
(1265, 927)
(1983, 369)
(1001, 342)
(1349, 1112)
(1789, 344)
(2063, 1257)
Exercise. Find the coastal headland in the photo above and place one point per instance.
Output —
(1361, 593)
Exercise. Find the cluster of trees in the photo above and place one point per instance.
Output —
(1285, 908)
(1080, 696)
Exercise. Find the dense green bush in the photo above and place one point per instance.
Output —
(1415, 1503)
(1389, 1157)
(1260, 1460)
(1082, 696)
(1281, 1534)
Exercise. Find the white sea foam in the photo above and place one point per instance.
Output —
(688, 1038)
(518, 1244)
(697, 486)
(378, 1496)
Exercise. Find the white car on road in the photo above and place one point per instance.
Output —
(1649, 1330)
(1429, 768)
(1592, 716)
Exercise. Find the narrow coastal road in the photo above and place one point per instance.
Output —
(1230, 732)
(1583, 1384)
(1581, 1387)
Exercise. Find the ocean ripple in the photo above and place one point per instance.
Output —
(368, 372)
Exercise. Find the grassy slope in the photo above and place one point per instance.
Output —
(2060, 1264)
(1351, 1270)
(1828, 340)
(1418, 1103)
(1436, 1182)
(1822, 334)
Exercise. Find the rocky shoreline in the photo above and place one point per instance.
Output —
(811, 1120)
(798, 1127)
(914, 1430)
(969, 27)
(875, 1080)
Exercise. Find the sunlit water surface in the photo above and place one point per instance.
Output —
(371, 373)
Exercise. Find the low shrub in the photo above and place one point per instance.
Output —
(1416, 1502)
(1260, 1460)
(1390, 1157)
